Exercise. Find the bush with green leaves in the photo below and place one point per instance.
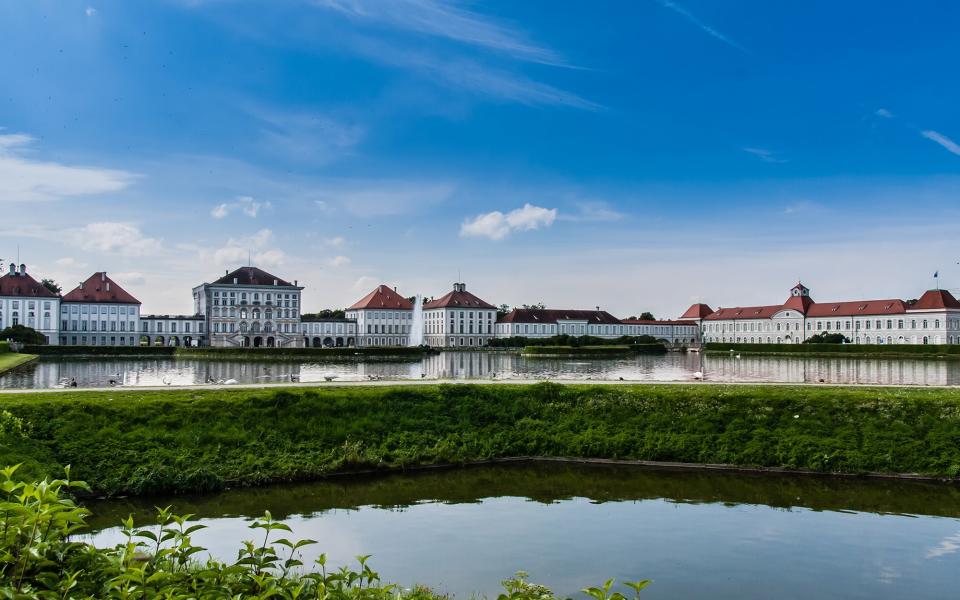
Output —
(40, 557)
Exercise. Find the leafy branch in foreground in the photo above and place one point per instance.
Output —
(39, 558)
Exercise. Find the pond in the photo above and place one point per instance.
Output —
(673, 366)
(698, 534)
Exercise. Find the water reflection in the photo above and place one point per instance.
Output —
(699, 535)
(56, 372)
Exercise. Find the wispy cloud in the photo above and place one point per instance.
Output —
(245, 204)
(26, 179)
(311, 136)
(595, 211)
(472, 76)
(383, 198)
(765, 155)
(447, 20)
(943, 140)
(90, 11)
(703, 26)
(497, 225)
(882, 112)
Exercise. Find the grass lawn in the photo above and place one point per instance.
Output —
(9, 360)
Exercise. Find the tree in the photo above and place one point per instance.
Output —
(647, 316)
(827, 338)
(23, 334)
(537, 306)
(52, 285)
(503, 311)
(327, 313)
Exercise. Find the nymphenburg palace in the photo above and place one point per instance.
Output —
(248, 307)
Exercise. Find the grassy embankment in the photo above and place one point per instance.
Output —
(920, 351)
(10, 360)
(143, 442)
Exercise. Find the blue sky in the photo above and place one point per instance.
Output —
(636, 155)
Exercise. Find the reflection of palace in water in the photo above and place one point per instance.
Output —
(485, 365)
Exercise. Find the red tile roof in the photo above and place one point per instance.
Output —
(744, 312)
(656, 322)
(936, 299)
(459, 298)
(251, 276)
(100, 288)
(697, 311)
(857, 307)
(22, 285)
(799, 303)
(383, 297)
(536, 315)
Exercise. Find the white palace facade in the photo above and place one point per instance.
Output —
(934, 318)
(249, 307)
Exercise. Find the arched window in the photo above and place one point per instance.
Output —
(243, 313)
(256, 313)
(243, 327)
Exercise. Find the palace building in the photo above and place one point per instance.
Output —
(383, 318)
(98, 312)
(932, 319)
(458, 319)
(26, 301)
(249, 307)
(545, 323)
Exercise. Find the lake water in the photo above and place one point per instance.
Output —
(674, 366)
(703, 535)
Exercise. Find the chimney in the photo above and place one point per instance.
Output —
(226, 271)
(274, 282)
(81, 285)
(295, 283)
(23, 269)
(103, 275)
(13, 268)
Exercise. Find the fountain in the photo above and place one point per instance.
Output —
(416, 326)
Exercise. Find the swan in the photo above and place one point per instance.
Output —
(698, 375)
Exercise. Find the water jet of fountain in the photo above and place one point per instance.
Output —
(416, 325)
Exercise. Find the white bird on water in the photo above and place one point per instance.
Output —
(698, 375)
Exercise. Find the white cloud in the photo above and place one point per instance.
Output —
(255, 248)
(765, 155)
(882, 112)
(244, 204)
(338, 261)
(497, 225)
(91, 11)
(335, 242)
(110, 236)
(25, 179)
(703, 26)
(943, 140)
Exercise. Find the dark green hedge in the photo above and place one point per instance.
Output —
(952, 350)
(594, 350)
(147, 442)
